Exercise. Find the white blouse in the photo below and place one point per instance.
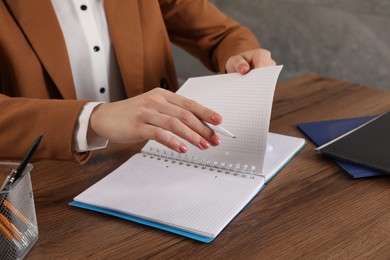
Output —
(93, 63)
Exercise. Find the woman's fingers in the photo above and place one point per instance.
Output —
(156, 115)
(183, 121)
(201, 112)
(245, 61)
(177, 127)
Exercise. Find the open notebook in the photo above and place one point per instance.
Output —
(199, 193)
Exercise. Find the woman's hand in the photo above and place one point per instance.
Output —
(147, 116)
(248, 60)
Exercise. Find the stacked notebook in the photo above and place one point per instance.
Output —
(359, 145)
(198, 193)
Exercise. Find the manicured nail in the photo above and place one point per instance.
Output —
(204, 144)
(243, 68)
(183, 148)
(216, 118)
(215, 139)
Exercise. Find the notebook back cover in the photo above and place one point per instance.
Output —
(367, 145)
(322, 132)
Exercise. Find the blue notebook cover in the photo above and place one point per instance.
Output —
(200, 238)
(146, 222)
(322, 132)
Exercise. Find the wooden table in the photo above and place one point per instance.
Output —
(310, 209)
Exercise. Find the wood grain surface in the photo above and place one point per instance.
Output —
(310, 210)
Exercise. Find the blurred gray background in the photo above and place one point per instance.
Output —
(344, 39)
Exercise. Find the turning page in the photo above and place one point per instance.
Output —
(245, 103)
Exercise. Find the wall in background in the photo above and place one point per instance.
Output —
(348, 39)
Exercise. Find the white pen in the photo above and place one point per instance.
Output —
(220, 129)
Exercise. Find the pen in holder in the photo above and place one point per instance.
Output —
(18, 223)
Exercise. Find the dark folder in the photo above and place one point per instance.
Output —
(367, 145)
(321, 132)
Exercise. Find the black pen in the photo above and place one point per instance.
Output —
(15, 174)
(27, 157)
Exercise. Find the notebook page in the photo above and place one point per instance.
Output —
(245, 113)
(284, 148)
(193, 199)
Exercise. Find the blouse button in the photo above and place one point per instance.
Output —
(164, 83)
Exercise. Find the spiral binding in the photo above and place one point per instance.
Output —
(244, 171)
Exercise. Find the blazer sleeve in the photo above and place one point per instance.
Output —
(26, 118)
(205, 32)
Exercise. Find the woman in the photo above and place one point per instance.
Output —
(86, 72)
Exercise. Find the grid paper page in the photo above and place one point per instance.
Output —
(283, 149)
(245, 103)
(193, 199)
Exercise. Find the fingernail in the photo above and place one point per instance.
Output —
(243, 68)
(216, 118)
(215, 139)
(204, 144)
(183, 148)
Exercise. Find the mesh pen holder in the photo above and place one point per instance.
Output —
(18, 222)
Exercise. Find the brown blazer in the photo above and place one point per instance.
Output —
(36, 86)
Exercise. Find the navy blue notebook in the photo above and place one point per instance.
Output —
(322, 132)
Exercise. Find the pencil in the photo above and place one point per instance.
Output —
(16, 234)
(5, 232)
(9, 237)
(8, 205)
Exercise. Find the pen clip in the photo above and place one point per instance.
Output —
(9, 180)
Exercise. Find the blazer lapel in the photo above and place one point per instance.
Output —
(39, 23)
(125, 29)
